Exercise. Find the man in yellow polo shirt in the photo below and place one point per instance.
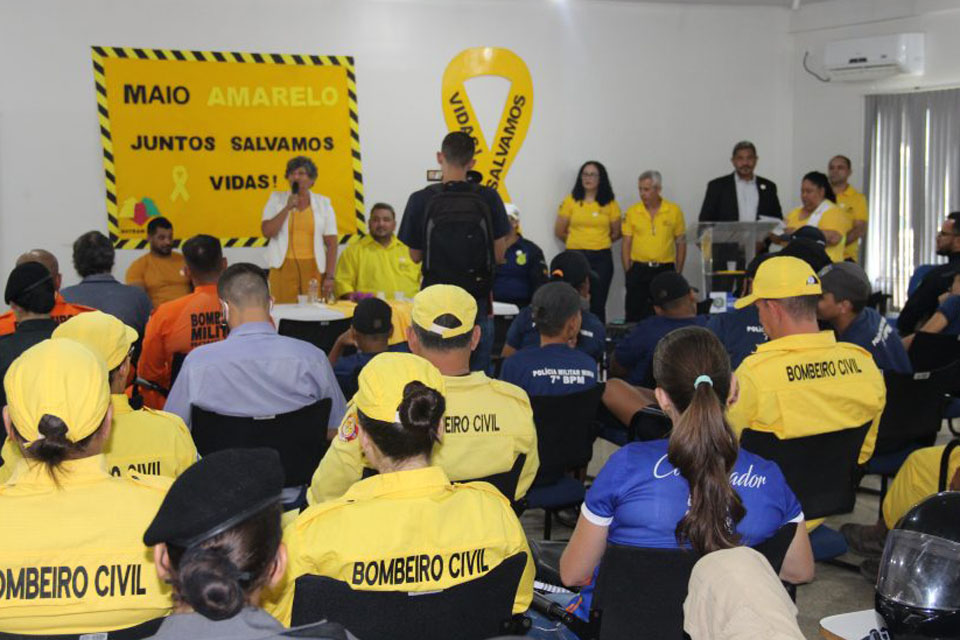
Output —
(144, 442)
(160, 272)
(803, 382)
(378, 263)
(488, 423)
(850, 201)
(654, 241)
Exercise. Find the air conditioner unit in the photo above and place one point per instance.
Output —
(874, 58)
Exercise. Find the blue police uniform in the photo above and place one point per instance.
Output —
(550, 370)
(347, 367)
(740, 332)
(951, 310)
(641, 497)
(635, 352)
(523, 271)
(523, 333)
(871, 331)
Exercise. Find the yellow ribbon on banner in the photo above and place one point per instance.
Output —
(179, 175)
(492, 161)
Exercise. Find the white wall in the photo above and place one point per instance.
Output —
(634, 85)
(828, 118)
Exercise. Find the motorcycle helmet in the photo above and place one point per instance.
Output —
(918, 587)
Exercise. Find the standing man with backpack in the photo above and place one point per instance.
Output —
(457, 230)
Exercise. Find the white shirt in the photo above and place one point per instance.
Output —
(324, 224)
(748, 197)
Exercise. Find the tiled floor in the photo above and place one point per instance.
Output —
(833, 591)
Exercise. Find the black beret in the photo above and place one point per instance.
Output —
(372, 317)
(25, 278)
(220, 491)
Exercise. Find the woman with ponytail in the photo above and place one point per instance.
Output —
(217, 542)
(73, 560)
(694, 490)
(409, 509)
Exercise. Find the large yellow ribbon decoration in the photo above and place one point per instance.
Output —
(492, 161)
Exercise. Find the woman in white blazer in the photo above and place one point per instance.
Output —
(302, 228)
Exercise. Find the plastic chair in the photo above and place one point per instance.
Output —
(320, 333)
(823, 472)
(480, 608)
(300, 437)
(640, 592)
(565, 434)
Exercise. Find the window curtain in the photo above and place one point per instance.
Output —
(912, 170)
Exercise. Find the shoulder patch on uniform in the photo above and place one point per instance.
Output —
(348, 428)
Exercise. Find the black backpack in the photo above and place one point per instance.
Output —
(458, 234)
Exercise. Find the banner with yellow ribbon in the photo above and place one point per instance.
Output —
(494, 160)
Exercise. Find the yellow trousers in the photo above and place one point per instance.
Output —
(293, 279)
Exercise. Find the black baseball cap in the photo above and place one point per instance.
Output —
(669, 286)
(570, 267)
(846, 281)
(810, 233)
(372, 317)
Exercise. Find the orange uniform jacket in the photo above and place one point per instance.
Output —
(178, 326)
(62, 310)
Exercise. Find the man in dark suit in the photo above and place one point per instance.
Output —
(741, 196)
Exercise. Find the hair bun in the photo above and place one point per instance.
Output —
(421, 407)
(210, 583)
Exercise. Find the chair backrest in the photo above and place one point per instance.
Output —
(641, 592)
(821, 469)
(932, 351)
(320, 333)
(644, 589)
(505, 481)
(914, 409)
(565, 431)
(300, 437)
(480, 608)
(175, 365)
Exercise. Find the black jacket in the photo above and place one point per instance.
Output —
(720, 203)
(925, 300)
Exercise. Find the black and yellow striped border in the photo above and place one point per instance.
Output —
(103, 113)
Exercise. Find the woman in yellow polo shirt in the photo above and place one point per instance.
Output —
(589, 221)
(302, 229)
(819, 210)
(71, 551)
(456, 532)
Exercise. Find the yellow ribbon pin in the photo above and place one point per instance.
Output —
(493, 161)
(179, 176)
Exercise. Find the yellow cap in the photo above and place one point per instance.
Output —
(382, 380)
(102, 333)
(62, 378)
(782, 277)
(443, 299)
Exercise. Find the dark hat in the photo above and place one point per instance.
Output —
(571, 267)
(372, 317)
(846, 281)
(810, 233)
(27, 278)
(669, 286)
(810, 251)
(219, 492)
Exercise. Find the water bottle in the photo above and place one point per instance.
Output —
(313, 291)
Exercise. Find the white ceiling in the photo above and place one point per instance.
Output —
(766, 3)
